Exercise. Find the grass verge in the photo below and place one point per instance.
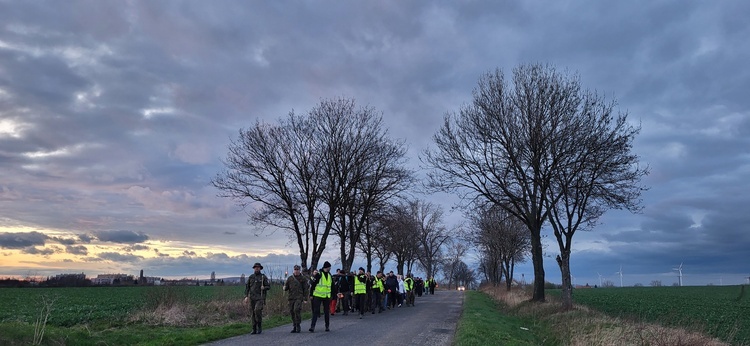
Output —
(583, 326)
(484, 322)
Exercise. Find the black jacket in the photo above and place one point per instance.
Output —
(391, 283)
(343, 283)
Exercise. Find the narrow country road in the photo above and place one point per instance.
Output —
(431, 322)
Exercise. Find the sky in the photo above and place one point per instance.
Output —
(116, 115)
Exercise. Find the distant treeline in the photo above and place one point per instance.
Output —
(72, 281)
(51, 282)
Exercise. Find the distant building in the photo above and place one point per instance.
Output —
(150, 280)
(68, 280)
(80, 276)
(113, 279)
(181, 282)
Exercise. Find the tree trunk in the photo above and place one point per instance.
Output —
(400, 266)
(508, 276)
(567, 292)
(537, 257)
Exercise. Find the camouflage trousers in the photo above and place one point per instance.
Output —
(256, 311)
(409, 298)
(295, 310)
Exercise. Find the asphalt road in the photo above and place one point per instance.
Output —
(432, 321)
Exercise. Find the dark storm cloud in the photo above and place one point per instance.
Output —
(118, 257)
(22, 240)
(37, 251)
(121, 236)
(77, 250)
(85, 238)
(136, 247)
(64, 241)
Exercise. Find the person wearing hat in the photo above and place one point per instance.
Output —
(360, 291)
(296, 286)
(321, 295)
(255, 292)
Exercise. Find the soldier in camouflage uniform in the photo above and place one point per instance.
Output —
(255, 292)
(297, 287)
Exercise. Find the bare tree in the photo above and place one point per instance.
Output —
(372, 242)
(401, 236)
(600, 174)
(300, 175)
(487, 236)
(273, 175)
(502, 241)
(508, 146)
(462, 275)
(457, 249)
(369, 170)
(367, 244)
(431, 234)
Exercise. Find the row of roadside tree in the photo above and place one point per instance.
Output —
(529, 153)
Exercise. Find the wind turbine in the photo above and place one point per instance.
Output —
(620, 273)
(600, 279)
(679, 269)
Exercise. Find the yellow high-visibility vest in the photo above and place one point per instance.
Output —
(359, 286)
(323, 288)
(379, 285)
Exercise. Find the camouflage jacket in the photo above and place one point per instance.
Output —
(297, 287)
(257, 285)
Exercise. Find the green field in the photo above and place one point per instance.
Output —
(80, 305)
(721, 311)
(129, 315)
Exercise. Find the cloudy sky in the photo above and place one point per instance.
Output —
(115, 115)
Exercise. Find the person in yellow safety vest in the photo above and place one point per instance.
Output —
(321, 294)
(378, 287)
(360, 291)
(409, 286)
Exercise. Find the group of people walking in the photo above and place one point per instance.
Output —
(341, 292)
